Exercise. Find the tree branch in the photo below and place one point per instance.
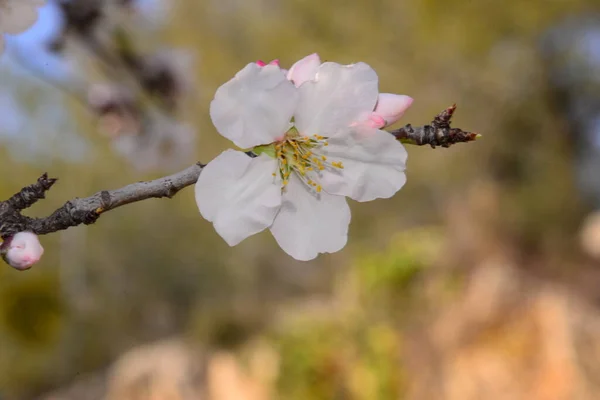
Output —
(87, 210)
(29, 195)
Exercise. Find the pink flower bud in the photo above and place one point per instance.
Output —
(22, 250)
(391, 107)
(304, 70)
(261, 63)
(375, 121)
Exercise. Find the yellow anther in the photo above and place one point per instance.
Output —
(295, 156)
(274, 174)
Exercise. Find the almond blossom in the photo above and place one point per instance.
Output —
(316, 130)
(17, 16)
(22, 250)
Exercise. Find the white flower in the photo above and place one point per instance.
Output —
(315, 147)
(22, 250)
(16, 16)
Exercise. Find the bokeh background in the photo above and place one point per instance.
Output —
(480, 279)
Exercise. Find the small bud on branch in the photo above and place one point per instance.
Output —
(439, 133)
(22, 250)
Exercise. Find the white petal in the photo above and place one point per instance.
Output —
(304, 70)
(255, 107)
(238, 194)
(374, 163)
(17, 17)
(339, 96)
(308, 225)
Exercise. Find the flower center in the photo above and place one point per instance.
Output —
(303, 156)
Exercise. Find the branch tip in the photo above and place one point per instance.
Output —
(439, 133)
(29, 195)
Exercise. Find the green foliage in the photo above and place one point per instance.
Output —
(330, 360)
(31, 311)
(394, 270)
(32, 322)
(357, 353)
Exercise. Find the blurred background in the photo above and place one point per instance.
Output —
(480, 279)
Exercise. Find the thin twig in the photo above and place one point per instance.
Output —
(87, 210)
(29, 195)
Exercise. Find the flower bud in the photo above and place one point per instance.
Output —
(391, 107)
(261, 63)
(375, 121)
(22, 250)
(304, 70)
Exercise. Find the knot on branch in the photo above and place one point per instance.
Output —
(72, 215)
(439, 133)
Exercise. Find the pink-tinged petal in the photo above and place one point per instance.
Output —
(238, 194)
(261, 63)
(340, 96)
(391, 107)
(310, 223)
(375, 121)
(374, 163)
(304, 70)
(22, 250)
(255, 107)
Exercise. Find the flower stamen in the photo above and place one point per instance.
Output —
(301, 155)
